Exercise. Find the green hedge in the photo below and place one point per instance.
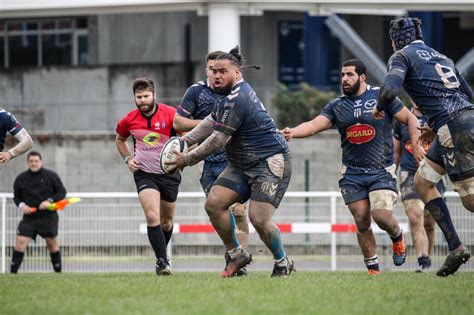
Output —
(295, 107)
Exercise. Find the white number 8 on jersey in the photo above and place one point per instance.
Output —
(447, 76)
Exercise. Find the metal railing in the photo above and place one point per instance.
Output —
(107, 232)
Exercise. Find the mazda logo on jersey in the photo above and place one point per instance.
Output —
(360, 133)
(370, 104)
(152, 139)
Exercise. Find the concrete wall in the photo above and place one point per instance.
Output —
(85, 98)
(90, 163)
(149, 37)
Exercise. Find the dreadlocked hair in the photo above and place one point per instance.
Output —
(234, 56)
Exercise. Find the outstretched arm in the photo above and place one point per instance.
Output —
(309, 128)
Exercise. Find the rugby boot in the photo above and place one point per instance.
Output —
(163, 268)
(453, 261)
(399, 252)
(242, 272)
(284, 271)
(233, 265)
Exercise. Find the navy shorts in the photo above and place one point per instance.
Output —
(356, 185)
(166, 184)
(45, 226)
(210, 172)
(453, 148)
(265, 182)
(407, 186)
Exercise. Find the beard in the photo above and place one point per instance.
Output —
(352, 90)
(223, 89)
(146, 108)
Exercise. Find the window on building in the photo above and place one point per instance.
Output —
(59, 41)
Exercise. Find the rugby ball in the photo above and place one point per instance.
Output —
(168, 152)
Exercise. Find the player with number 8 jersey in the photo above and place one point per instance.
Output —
(445, 98)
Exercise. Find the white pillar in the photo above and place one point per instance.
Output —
(224, 27)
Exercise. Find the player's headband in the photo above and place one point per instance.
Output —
(403, 31)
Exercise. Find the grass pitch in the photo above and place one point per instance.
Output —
(205, 293)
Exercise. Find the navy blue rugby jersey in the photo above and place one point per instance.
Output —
(366, 142)
(254, 134)
(8, 123)
(431, 81)
(401, 133)
(197, 103)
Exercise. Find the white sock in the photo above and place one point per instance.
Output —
(281, 262)
(233, 252)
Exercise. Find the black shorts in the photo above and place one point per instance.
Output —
(45, 226)
(453, 147)
(166, 184)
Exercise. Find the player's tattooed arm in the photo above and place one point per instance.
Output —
(24, 144)
(213, 143)
(200, 132)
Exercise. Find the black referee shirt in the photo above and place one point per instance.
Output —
(32, 188)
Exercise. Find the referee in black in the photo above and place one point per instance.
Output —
(34, 190)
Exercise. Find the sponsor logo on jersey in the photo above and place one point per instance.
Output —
(360, 133)
(370, 104)
(450, 159)
(426, 55)
(357, 112)
(152, 139)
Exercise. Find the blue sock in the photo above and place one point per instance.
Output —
(440, 213)
(277, 245)
(232, 227)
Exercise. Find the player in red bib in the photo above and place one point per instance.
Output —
(151, 125)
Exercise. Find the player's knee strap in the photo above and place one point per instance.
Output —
(427, 172)
(413, 204)
(382, 199)
(464, 187)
